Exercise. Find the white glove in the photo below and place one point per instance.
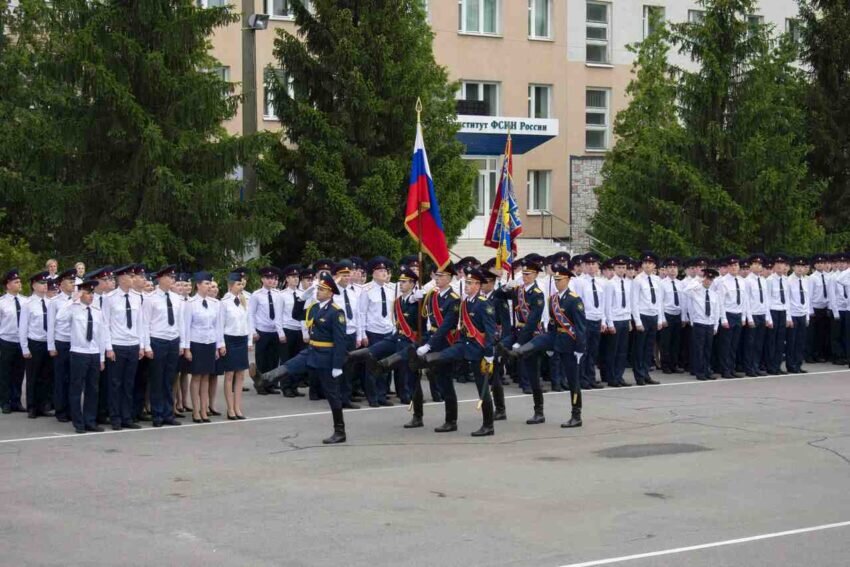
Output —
(423, 350)
(336, 372)
(306, 336)
(578, 356)
(417, 294)
(512, 284)
(489, 359)
(515, 347)
(550, 353)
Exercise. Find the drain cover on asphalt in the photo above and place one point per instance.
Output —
(650, 450)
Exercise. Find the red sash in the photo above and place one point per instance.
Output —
(451, 336)
(471, 329)
(522, 308)
(403, 325)
(560, 317)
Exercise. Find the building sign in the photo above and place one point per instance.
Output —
(486, 135)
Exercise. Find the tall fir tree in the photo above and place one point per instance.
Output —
(723, 139)
(826, 51)
(120, 153)
(345, 92)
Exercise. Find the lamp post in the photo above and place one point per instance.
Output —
(251, 22)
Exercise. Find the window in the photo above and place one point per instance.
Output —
(538, 190)
(485, 92)
(793, 29)
(222, 73)
(597, 32)
(269, 111)
(648, 12)
(696, 16)
(596, 119)
(539, 16)
(539, 99)
(485, 184)
(478, 16)
(279, 9)
(215, 3)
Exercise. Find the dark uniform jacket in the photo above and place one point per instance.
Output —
(567, 323)
(478, 328)
(528, 309)
(327, 336)
(449, 309)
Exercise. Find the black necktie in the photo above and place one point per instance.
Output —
(595, 295)
(737, 291)
(802, 293)
(204, 303)
(236, 301)
(825, 293)
(348, 312)
(100, 299)
(623, 293)
(383, 303)
(89, 326)
(43, 314)
(707, 304)
(651, 289)
(170, 309)
(761, 293)
(271, 306)
(18, 310)
(128, 310)
(781, 292)
(675, 294)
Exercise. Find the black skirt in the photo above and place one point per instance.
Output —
(203, 358)
(236, 358)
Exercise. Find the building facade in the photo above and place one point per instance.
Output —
(560, 65)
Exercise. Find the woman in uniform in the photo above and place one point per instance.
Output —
(234, 327)
(200, 341)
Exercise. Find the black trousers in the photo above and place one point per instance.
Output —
(796, 345)
(775, 348)
(702, 337)
(122, 377)
(85, 370)
(62, 379)
(670, 339)
(267, 352)
(11, 374)
(753, 338)
(593, 331)
(39, 369)
(820, 330)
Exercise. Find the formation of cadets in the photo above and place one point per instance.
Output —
(125, 345)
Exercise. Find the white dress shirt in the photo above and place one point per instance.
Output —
(697, 295)
(353, 324)
(619, 300)
(201, 322)
(777, 292)
(57, 330)
(9, 328)
(371, 310)
(643, 287)
(258, 307)
(757, 297)
(287, 297)
(155, 315)
(115, 315)
(800, 296)
(33, 322)
(77, 316)
(672, 296)
(839, 299)
(819, 284)
(733, 297)
(594, 308)
(235, 321)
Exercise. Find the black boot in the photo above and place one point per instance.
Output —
(390, 361)
(575, 420)
(538, 416)
(487, 426)
(269, 382)
(415, 421)
(451, 418)
(484, 431)
(339, 429)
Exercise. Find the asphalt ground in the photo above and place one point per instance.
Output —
(744, 472)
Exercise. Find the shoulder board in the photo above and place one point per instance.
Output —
(335, 306)
(574, 294)
(369, 285)
(535, 289)
(192, 299)
(454, 295)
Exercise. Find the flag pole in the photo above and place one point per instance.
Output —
(421, 281)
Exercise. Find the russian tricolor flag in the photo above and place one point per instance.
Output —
(422, 216)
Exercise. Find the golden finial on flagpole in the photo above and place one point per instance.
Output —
(418, 110)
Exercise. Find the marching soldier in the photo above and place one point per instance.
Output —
(441, 308)
(503, 327)
(33, 335)
(478, 330)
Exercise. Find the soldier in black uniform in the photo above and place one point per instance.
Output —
(325, 353)
(503, 328)
(478, 333)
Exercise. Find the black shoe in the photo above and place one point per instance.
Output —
(573, 422)
(314, 397)
(145, 417)
(537, 418)
(357, 398)
(290, 393)
(437, 399)
(232, 417)
(385, 403)
(652, 382)
(414, 422)
(261, 391)
(241, 417)
(624, 384)
(116, 427)
(557, 388)
(640, 382)
(802, 371)
(446, 427)
(299, 394)
(61, 418)
(102, 420)
(349, 405)
(157, 424)
(782, 372)
(32, 414)
(206, 420)
(613, 385)
(527, 391)
(196, 420)
(374, 405)
(214, 413)
(45, 413)
(752, 374)
(337, 437)
(180, 415)
(597, 386)
(94, 428)
(79, 430)
(761, 373)
(727, 376)
(6, 409)
(500, 415)
(484, 431)
(131, 425)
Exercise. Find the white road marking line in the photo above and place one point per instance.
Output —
(396, 407)
(636, 556)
